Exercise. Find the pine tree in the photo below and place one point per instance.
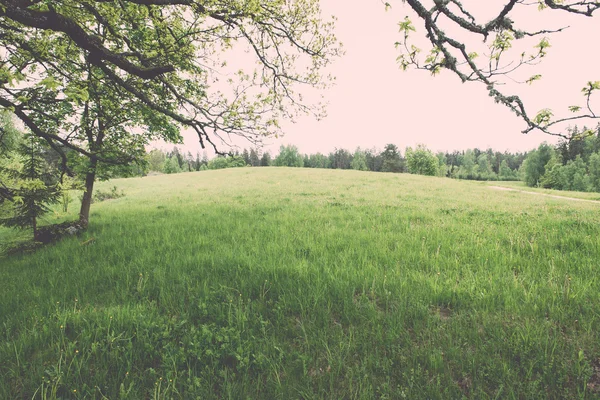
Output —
(32, 193)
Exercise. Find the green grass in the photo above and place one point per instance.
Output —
(564, 193)
(273, 283)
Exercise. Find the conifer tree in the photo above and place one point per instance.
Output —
(32, 194)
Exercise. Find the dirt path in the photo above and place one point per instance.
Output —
(543, 194)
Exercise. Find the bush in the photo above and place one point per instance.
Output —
(114, 193)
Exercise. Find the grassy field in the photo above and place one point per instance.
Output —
(281, 283)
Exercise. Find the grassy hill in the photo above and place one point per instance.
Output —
(281, 283)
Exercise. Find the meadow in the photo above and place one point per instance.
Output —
(278, 283)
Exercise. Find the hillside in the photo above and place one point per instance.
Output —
(301, 283)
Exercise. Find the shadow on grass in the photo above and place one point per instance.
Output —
(23, 244)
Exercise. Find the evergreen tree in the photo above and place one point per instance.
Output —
(198, 162)
(392, 161)
(246, 157)
(254, 158)
(33, 191)
(265, 160)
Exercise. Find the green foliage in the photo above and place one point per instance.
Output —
(421, 161)
(218, 163)
(359, 160)
(308, 284)
(104, 80)
(594, 171)
(226, 162)
(31, 191)
(66, 187)
(505, 173)
(156, 160)
(392, 161)
(111, 194)
(543, 117)
(265, 160)
(570, 165)
(9, 135)
(318, 160)
(171, 166)
(535, 164)
(289, 156)
(142, 73)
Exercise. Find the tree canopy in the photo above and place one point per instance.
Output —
(165, 59)
(492, 51)
(98, 80)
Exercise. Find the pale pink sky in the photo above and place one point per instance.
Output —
(374, 103)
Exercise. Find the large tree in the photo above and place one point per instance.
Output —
(84, 75)
(493, 50)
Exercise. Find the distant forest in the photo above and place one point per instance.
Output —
(572, 164)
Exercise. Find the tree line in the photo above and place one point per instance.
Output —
(572, 164)
(175, 161)
(473, 164)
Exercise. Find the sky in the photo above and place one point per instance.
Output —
(374, 102)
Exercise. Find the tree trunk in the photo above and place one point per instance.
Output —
(86, 201)
(34, 226)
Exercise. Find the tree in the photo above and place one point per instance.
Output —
(32, 193)
(391, 159)
(421, 161)
(265, 160)
(9, 140)
(218, 163)
(446, 24)
(171, 166)
(374, 160)
(594, 167)
(467, 165)
(254, 158)
(341, 159)
(154, 65)
(359, 160)
(535, 164)
(9, 135)
(246, 157)
(102, 121)
(318, 160)
(505, 173)
(156, 160)
(484, 169)
(443, 167)
(289, 156)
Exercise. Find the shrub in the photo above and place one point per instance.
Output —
(114, 193)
